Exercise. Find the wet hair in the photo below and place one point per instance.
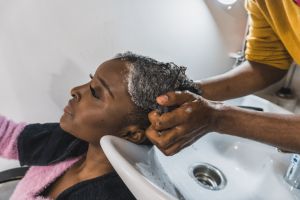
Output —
(148, 79)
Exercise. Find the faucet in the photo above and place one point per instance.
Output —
(292, 176)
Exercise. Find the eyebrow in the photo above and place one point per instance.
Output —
(106, 87)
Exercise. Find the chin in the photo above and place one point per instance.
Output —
(65, 125)
(69, 128)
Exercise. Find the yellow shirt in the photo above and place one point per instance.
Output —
(274, 33)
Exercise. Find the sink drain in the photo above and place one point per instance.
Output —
(208, 176)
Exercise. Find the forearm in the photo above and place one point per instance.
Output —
(240, 81)
(9, 132)
(280, 130)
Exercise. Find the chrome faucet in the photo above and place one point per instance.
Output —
(292, 175)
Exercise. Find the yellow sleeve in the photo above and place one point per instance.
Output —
(263, 44)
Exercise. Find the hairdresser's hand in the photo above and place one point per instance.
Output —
(174, 130)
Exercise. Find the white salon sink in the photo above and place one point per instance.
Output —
(252, 170)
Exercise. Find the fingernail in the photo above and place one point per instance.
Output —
(188, 110)
(163, 98)
(158, 124)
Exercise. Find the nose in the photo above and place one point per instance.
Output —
(78, 92)
(75, 93)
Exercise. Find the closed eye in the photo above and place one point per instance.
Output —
(93, 91)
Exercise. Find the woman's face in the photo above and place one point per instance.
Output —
(99, 107)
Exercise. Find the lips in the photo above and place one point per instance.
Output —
(68, 109)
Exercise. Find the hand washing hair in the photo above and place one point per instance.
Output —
(147, 79)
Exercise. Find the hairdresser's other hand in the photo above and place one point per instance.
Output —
(172, 131)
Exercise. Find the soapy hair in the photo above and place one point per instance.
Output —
(147, 79)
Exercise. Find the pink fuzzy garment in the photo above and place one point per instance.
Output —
(37, 178)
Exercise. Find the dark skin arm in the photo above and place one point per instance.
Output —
(243, 80)
(197, 116)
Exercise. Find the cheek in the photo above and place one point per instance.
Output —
(85, 124)
(91, 124)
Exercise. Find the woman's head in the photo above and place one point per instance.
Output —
(119, 97)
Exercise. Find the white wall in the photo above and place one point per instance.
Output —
(47, 47)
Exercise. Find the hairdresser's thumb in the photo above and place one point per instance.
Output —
(162, 100)
(176, 98)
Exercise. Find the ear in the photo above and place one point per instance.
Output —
(134, 134)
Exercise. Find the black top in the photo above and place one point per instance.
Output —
(107, 187)
(44, 144)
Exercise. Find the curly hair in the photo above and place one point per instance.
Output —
(149, 78)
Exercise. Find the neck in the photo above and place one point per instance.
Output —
(94, 163)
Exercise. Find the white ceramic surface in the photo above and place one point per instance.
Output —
(254, 171)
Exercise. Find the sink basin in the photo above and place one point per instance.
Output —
(215, 167)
